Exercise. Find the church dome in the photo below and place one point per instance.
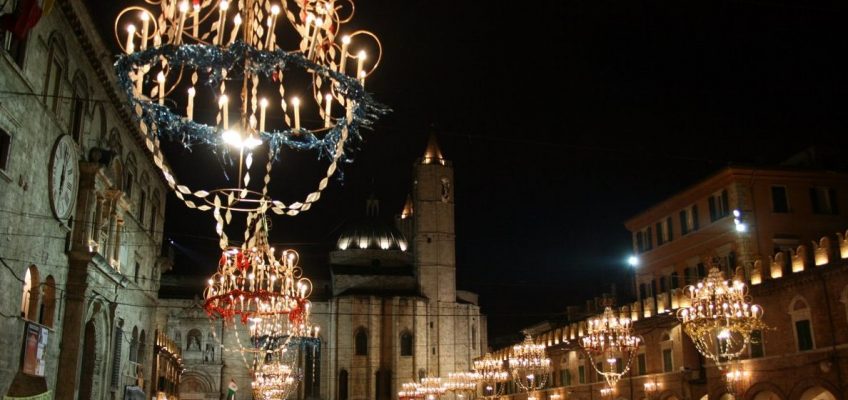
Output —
(371, 233)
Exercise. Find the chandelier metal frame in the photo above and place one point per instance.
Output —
(529, 365)
(720, 318)
(610, 337)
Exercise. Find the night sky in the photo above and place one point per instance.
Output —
(563, 119)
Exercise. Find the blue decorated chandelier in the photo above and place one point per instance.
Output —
(244, 76)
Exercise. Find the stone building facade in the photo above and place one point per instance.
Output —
(791, 251)
(81, 212)
(391, 312)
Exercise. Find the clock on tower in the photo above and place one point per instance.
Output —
(64, 177)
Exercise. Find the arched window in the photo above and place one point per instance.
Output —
(360, 342)
(48, 302)
(29, 300)
(79, 108)
(133, 345)
(55, 72)
(343, 385)
(193, 340)
(406, 343)
(802, 324)
(154, 212)
(142, 200)
(129, 176)
(142, 347)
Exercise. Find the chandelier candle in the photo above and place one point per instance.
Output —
(130, 47)
(328, 103)
(190, 107)
(145, 27)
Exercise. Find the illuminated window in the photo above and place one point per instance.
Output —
(29, 300)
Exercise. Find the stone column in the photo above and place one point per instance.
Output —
(98, 215)
(73, 328)
(116, 252)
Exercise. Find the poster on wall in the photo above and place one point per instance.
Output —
(35, 346)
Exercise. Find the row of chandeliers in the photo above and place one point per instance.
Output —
(720, 320)
(186, 64)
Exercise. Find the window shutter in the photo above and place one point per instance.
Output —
(648, 243)
(725, 203)
(695, 217)
(834, 206)
(659, 234)
(116, 358)
(684, 226)
(639, 242)
(712, 209)
(670, 228)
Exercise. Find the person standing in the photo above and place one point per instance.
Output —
(231, 390)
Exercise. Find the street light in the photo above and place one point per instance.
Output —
(633, 261)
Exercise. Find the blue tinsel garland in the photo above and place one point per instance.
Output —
(213, 59)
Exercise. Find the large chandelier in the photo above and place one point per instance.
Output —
(720, 317)
(461, 382)
(282, 68)
(431, 388)
(491, 373)
(529, 365)
(409, 391)
(274, 381)
(610, 339)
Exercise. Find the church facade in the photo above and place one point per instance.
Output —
(392, 313)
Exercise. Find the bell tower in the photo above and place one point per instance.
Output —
(433, 228)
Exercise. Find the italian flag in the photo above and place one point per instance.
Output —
(24, 17)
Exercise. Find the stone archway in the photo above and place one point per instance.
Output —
(196, 385)
(94, 350)
(817, 393)
(89, 357)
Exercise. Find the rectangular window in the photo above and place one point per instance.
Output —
(664, 234)
(702, 270)
(643, 240)
(668, 366)
(689, 220)
(805, 335)
(581, 374)
(642, 364)
(565, 377)
(619, 365)
(719, 205)
(823, 200)
(16, 48)
(757, 347)
(779, 200)
(5, 149)
(153, 220)
(77, 119)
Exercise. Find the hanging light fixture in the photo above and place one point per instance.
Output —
(431, 388)
(720, 318)
(461, 382)
(289, 73)
(610, 344)
(529, 364)
(491, 374)
(409, 391)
